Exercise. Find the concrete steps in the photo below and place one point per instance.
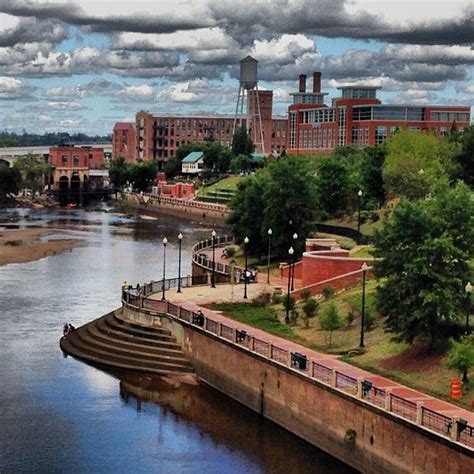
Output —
(111, 342)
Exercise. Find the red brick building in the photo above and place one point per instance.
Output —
(124, 142)
(358, 118)
(157, 137)
(72, 164)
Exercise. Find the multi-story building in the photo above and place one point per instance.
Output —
(124, 141)
(72, 165)
(358, 118)
(159, 136)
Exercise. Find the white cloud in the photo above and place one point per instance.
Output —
(180, 92)
(11, 88)
(283, 49)
(137, 93)
(430, 53)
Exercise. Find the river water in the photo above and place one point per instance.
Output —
(60, 415)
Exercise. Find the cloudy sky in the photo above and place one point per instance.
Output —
(82, 65)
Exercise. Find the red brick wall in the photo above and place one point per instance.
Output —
(124, 142)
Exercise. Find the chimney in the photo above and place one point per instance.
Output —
(316, 82)
(302, 82)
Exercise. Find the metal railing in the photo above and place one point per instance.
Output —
(363, 390)
(205, 262)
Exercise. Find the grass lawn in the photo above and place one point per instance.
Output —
(367, 228)
(226, 184)
(413, 366)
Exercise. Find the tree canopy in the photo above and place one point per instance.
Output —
(140, 175)
(33, 171)
(424, 251)
(281, 197)
(242, 143)
(10, 180)
(415, 163)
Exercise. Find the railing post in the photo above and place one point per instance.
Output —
(234, 335)
(219, 329)
(454, 429)
(167, 307)
(178, 312)
(388, 400)
(360, 393)
(419, 413)
(288, 359)
(334, 378)
(252, 343)
(270, 350)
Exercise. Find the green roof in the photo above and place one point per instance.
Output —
(193, 157)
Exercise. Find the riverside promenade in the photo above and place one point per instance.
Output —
(404, 401)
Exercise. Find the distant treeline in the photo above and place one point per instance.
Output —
(11, 139)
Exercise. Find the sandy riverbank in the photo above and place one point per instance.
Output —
(25, 245)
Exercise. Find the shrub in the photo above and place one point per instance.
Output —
(461, 356)
(330, 320)
(310, 309)
(328, 293)
(294, 315)
(276, 298)
(288, 301)
(350, 318)
(369, 320)
(230, 251)
(374, 217)
(262, 300)
(306, 295)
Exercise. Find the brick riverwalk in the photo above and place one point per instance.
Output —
(194, 298)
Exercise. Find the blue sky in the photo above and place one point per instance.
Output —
(82, 66)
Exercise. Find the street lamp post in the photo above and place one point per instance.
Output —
(180, 239)
(292, 263)
(213, 279)
(246, 241)
(269, 232)
(468, 289)
(287, 312)
(365, 267)
(165, 241)
(359, 194)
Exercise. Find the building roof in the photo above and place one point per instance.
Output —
(123, 126)
(193, 157)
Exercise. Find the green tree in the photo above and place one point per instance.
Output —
(371, 171)
(290, 204)
(240, 163)
(330, 320)
(310, 309)
(332, 184)
(415, 163)
(33, 171)
(119, 172)
(461, 356)
(424, 250)
(242, 143)
(172, 167)
(248, 208)
(10, 180)
(143, 174)
(465, 157)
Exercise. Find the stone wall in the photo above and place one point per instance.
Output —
(359, 434)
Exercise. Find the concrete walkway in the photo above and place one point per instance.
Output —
(193, 298)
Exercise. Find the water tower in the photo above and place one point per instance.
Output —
(248, 103)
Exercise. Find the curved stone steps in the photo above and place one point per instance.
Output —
(77, 353)
(129, 328)
(111, 342)
(144, 341)
(87, 338)
(134, 344)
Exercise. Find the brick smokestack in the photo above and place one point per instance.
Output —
(316, 81)
(302, 82)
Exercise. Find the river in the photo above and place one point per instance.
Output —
(60, 415)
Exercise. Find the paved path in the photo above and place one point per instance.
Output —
(194, 297)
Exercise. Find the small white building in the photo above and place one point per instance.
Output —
(193, 163)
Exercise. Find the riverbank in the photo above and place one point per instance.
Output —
(26, 245)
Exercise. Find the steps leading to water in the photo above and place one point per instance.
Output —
(112, 342)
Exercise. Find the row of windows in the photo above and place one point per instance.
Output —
(317, 138)
(308, 99)
(359, 93)
(449, 117)
(387, 113)
(319, 116)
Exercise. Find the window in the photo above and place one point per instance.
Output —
(362, 113)
(342, 126)
(292, 129)
(75, 160)
(64, 160)
(380, 135)
(389, 113)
